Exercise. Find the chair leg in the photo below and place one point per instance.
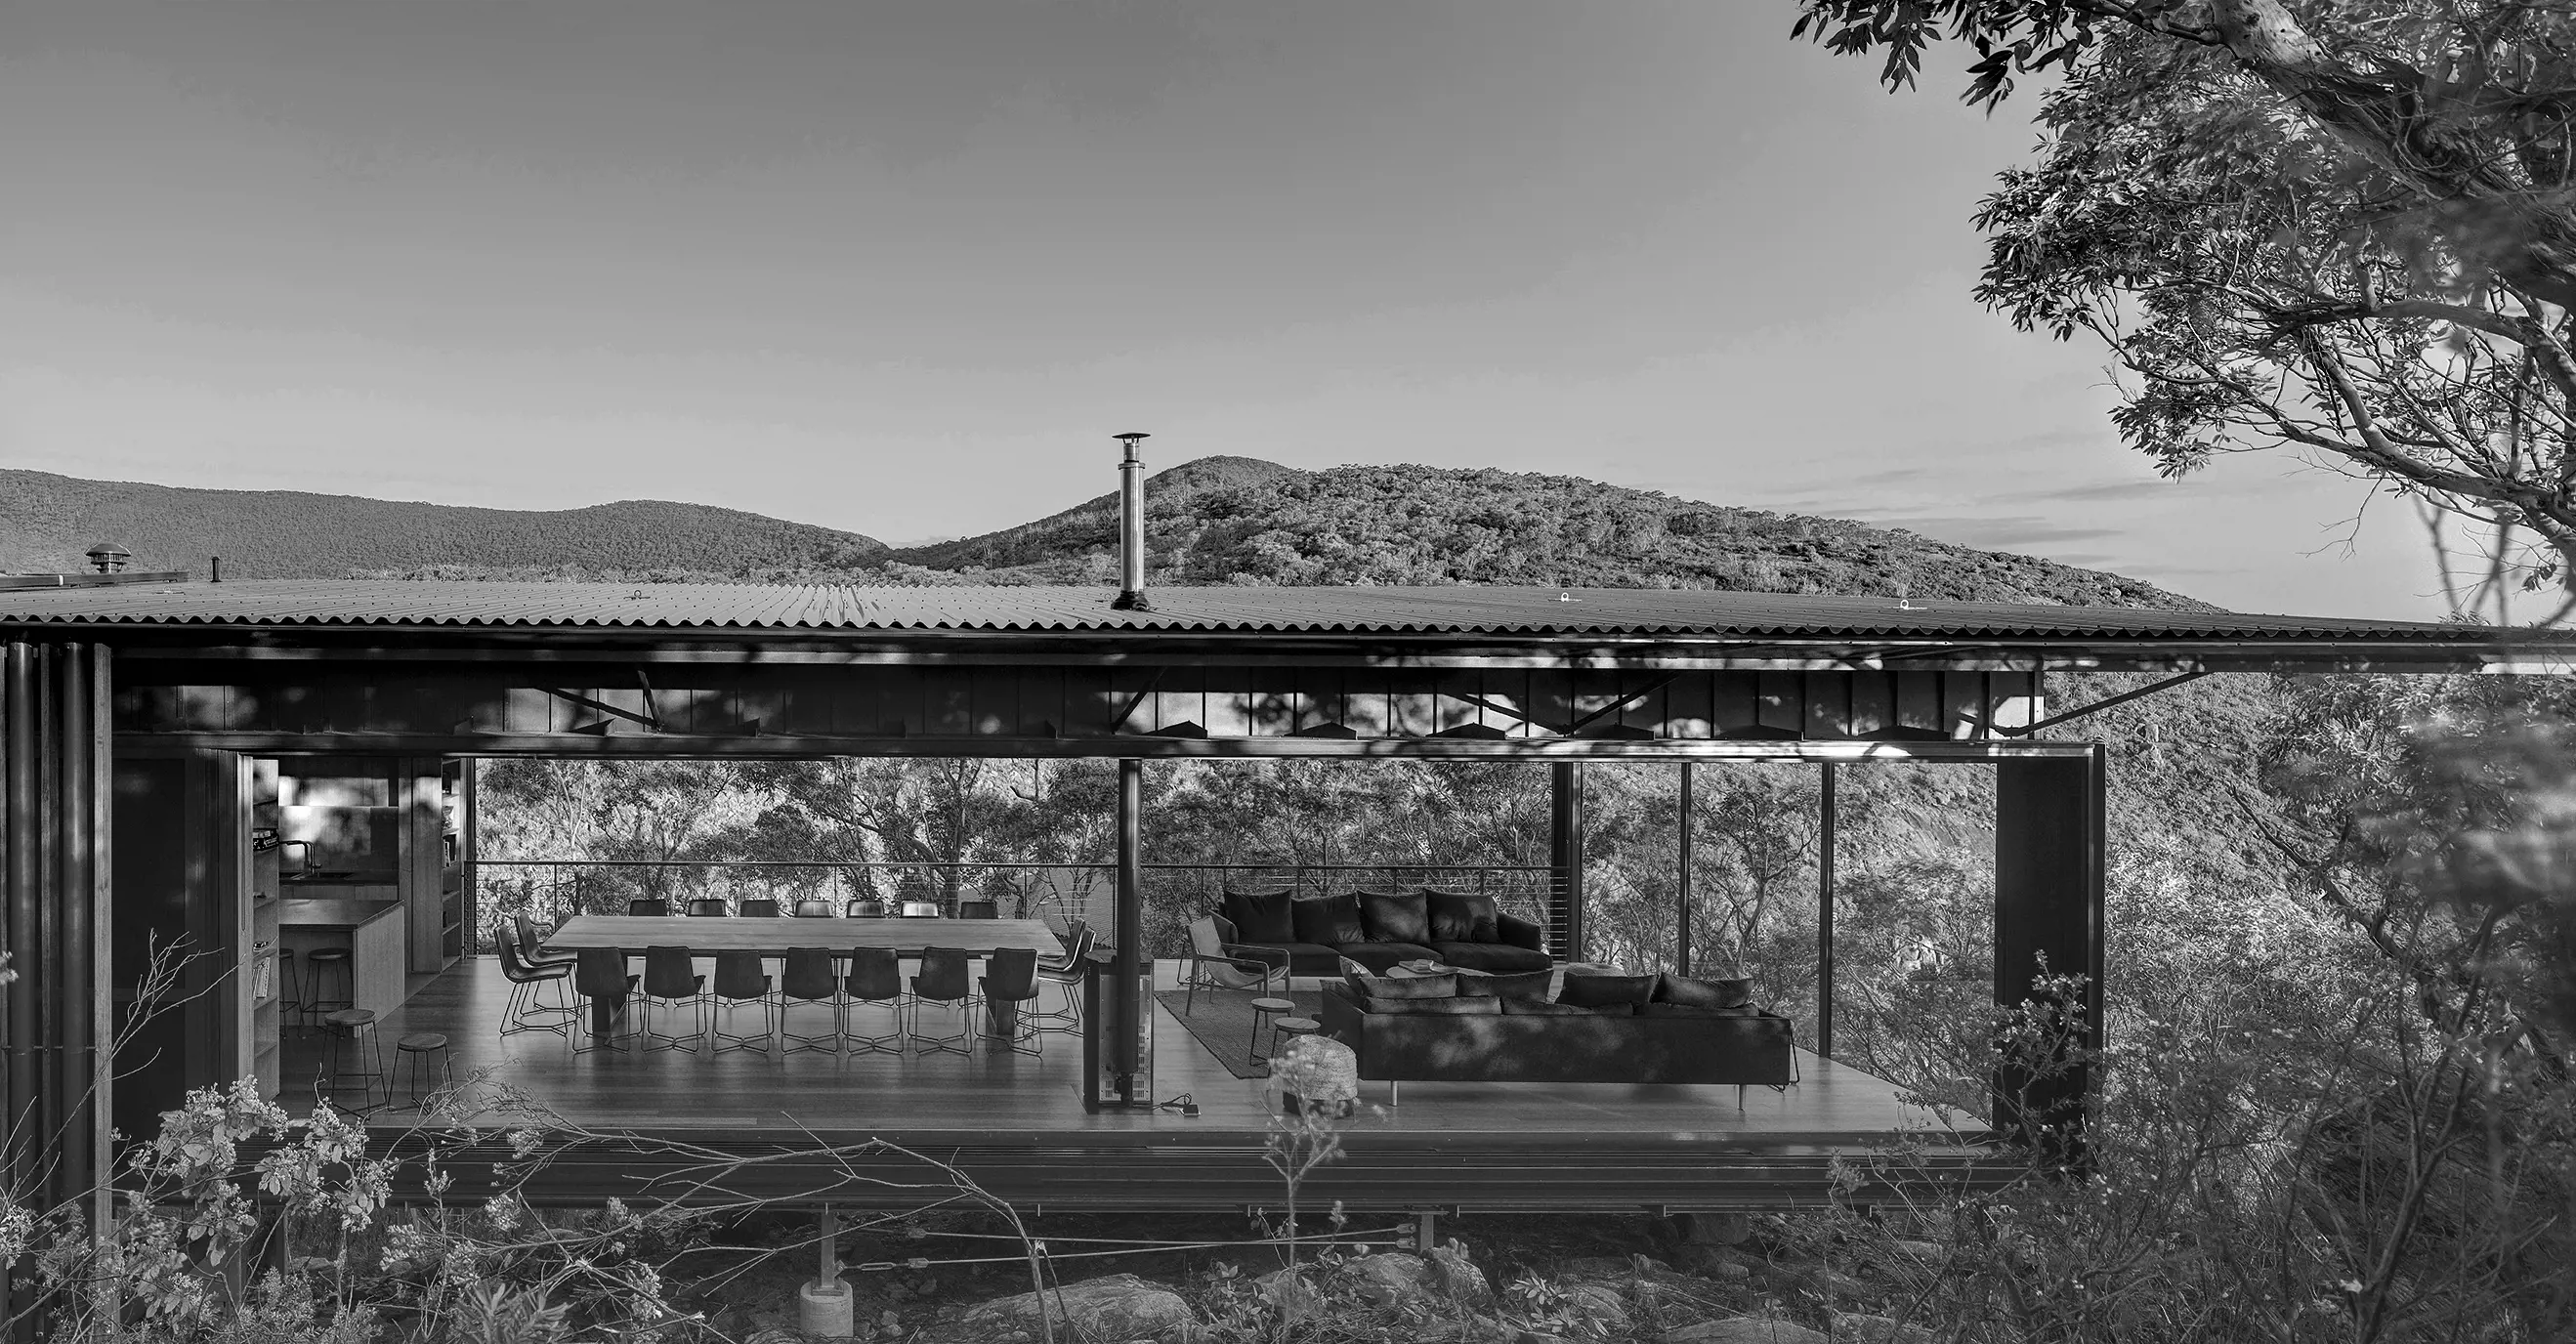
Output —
(766, 1042)
(527, 1013)
(1023, 1037)
(584, 1040)
(656, 1040)
(963, 1043)
(892, 1043)
(791, 1042)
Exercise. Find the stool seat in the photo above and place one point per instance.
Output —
(1296, 1026)
(1273, 1006)
(422, 1040)
(350, 1017)
(327, 954)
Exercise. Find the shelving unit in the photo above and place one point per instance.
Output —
(455, 857)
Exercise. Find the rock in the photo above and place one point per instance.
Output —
(1120, 1306)
(1862, 1329)
(1390, 1278)
(1598, 1301)
(1744, 1330)
(1715, 1262)
(1712, 1229)
(1457, 1276)
(1289, 1291)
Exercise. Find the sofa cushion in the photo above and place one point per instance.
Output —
(1695, 1010)
(1260, 917)
(1491, 957)
(1590, 990)
(1453, 1006)
(1377, 957)
(1537, 986)
(1682, 989)
(1541, 1008)
(1393, 917)
(1462, 916)
(1299, 958)
(1371, 986)
(1331, 919)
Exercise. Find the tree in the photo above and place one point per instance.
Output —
(2337, 227)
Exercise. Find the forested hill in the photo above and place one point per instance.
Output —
(1240, 520)
(48, 521)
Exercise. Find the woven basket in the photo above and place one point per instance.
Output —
(1319, 1074)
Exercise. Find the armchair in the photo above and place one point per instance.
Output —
(1214, 964)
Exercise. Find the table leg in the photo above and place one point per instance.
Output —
(604, 1009)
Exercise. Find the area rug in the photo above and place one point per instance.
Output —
(1222, 1023)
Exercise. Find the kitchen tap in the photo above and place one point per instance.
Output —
(307, 847)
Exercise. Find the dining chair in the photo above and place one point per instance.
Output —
(866, 907)
(1067, 977)
(527, 1010)
(809, 977)
(920, 910)
(943, 980)
(979, 910)
(1075, 943)
(648, 905)
(876, 976)
(599, 973)
(759, 907)
(671, 980)
(808, 907)
(1010, 984)
(740, 980)
(709, 907)
(532, 947)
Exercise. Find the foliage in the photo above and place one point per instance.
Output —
(2342, 229)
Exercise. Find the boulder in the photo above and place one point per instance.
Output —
(1457, 1276)
(1602, 1302)
(1121, 1307)
(1713, 1229)
(1744, 1330)
(1390, 1278)
(1863, 1329)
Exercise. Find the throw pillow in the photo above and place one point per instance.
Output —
(1369, 986)
(1463, 916)
(1683, 989)
(1527, 986)
(1542, 1008)
(1331, 921)
(1393, 918)
(1260, 916)
(1660, 1009)
(1587, 991)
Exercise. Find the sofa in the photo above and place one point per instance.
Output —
(1572, 1028)
(1378, 929)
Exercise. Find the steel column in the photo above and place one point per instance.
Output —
(1829, 821)
(2049, 858)
(1682, 894)
(1127, 1006)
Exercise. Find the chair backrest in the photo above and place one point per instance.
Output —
(759, 907)
(875, 973)
(512, 964)
(599, 971)
(648, 905)
(809, 974)
(709, 907)
(979, 910)
(527, 929)
(1011, 973)
(921, 909)
(1203, 939)
(738, 975)
(670, 972)
(1076, 931)
(1079, 950)
(943, 974)
(867, 907)
(809, 907)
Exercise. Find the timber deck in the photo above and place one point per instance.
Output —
(642, 1125)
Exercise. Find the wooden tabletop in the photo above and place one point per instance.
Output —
(760, 933)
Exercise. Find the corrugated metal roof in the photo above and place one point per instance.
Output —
(309, 603)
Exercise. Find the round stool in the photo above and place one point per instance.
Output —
(290, 996)
(1292, 1028)
(412, 1058)
(355, 1052)
(1262, 1011)
(319, 964)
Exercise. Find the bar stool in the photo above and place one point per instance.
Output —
(1291, 1028)
(412, 1056)
(290, 995)
(355, 1052)
(318, 965)
(1262, 1011)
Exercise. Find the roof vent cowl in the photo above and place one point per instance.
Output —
(1131, 528)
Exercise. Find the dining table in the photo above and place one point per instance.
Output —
(773, 936)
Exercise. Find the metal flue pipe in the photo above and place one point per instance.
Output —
(1131, 528)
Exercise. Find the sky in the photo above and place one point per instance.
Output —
(903, 269)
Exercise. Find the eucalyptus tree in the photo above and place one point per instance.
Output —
(2340, 228)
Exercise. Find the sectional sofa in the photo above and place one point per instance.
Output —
(1378, 929)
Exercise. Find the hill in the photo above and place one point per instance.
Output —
(48, 521)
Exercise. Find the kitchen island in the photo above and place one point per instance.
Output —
(373, 932)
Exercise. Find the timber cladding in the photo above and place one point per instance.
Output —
(963, 703)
